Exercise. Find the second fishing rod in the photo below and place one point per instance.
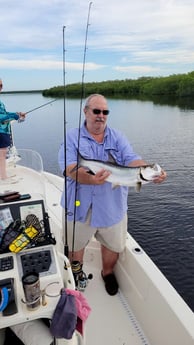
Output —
(80, 277)
(40, 106)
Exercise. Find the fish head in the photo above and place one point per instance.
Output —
(149, 172)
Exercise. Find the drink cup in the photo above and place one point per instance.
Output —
(31, 286)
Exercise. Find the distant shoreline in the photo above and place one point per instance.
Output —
(22, 91)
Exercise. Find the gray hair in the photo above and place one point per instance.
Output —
(88, 99)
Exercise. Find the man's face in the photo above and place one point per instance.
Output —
(95, 118)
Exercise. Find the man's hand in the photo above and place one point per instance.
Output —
(160, 178)
(100, 177)
(22, 116)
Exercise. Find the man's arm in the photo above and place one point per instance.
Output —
(86, 178)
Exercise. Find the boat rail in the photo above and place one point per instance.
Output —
(30, 159)
(25, 166)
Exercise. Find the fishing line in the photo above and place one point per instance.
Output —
(77, 202)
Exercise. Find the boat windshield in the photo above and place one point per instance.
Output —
(30, 159)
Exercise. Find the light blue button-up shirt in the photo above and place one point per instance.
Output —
(109, 205)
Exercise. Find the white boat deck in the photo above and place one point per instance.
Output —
(150, 303)
(111, 320)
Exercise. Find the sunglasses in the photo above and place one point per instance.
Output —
(98, 111)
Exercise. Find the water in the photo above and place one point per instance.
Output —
(161, 217)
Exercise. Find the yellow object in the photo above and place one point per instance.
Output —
(77, 203)
(23, 239)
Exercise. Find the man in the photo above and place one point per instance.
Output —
(5, 134)
(102, 210)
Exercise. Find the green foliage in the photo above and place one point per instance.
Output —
(186, 86)
(178, 85)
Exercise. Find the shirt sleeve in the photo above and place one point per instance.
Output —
(8, 117)
(123, 151)
(71, 150)
(72, 146)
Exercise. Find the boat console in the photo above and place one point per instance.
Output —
(39, 256)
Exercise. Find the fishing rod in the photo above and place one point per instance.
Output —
(79, 276)
(43, 105)
(12, 150)
(77, 202)
(84, 64)
(66, 248)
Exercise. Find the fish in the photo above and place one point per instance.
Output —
(121, 175)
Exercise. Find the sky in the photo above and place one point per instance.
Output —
(43, 43)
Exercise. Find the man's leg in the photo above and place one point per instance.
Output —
(109, 259)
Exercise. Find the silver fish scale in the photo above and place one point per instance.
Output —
(122, 175)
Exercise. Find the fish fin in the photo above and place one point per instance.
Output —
(90, 172)
(111, 159)
(138, 186)
(76, 167)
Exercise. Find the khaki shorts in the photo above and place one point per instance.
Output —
(113, 237)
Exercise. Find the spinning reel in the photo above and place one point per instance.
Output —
(80, 277)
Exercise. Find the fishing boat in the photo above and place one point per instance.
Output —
(147, 310)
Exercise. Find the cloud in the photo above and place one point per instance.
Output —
(46, 64)
(137, 69)
(142, 35)
(38, 24)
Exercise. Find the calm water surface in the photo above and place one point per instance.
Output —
(161, 217)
